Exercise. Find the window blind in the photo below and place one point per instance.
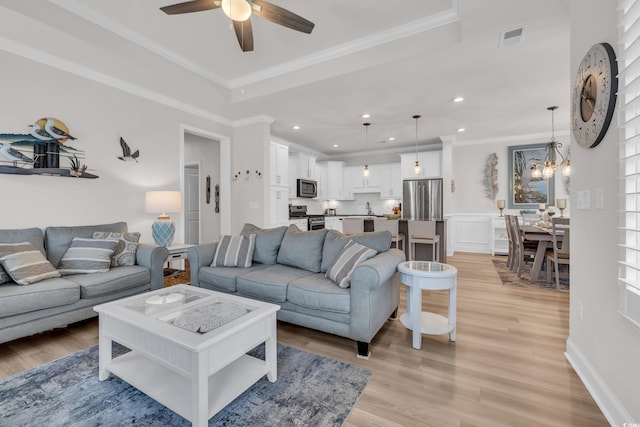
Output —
(629, 167)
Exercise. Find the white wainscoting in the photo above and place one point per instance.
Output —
(469, 233)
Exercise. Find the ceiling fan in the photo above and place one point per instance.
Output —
(239, 11)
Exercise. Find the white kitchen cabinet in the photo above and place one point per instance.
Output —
(302, 223)
(321, 178)
(333, 223)
(278, 206)
(390, 181)
(293, 176)
(334, 180)
(306, 166)
(347, 183)
(430, 164)
(278, 164)
(366, 184)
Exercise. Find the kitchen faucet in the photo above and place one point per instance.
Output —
(369, 211)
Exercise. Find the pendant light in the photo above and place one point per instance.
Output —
(365, 171)
(552, 151)
(417, 169)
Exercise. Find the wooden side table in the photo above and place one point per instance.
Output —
(432, 276)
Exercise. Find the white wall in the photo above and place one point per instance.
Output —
(603, 347)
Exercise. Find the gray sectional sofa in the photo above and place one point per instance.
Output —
(54, 302)
(289, 268)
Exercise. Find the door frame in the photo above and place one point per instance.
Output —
(195, 165)
(225, 172)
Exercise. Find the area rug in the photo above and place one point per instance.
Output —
(311, 390)
(510, 278)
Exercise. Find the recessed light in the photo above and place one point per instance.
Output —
(461, 129)
(296, 127)
(392, 138)
(458, 99)
(335, 145)
(366, 116)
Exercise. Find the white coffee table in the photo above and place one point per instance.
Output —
(433, 276)
(194, 374)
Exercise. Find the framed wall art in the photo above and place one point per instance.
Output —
(526, 192)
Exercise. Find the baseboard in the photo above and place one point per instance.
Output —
(606, 400)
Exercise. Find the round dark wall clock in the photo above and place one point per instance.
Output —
(594, 95)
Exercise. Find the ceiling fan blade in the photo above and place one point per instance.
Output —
(281, 16)
(190, 6)
(244, 33)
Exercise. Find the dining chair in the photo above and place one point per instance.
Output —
(559, 255)
(523, 253)
(352, 225)
(423, 232)
(511, 255)
(390, 225)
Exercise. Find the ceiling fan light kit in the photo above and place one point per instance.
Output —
(240, 11)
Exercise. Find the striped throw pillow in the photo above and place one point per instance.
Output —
(25, 264)
(4, 277)
(349, 258)
(87, 256)
(125, 252)
(234, 251)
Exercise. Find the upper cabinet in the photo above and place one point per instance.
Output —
(430, 163)
(336, 181)
(306, 166)
(321, 177)
(390, 181)
(366, 184)
(278, 164)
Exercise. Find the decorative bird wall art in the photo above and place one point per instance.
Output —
(127, 155)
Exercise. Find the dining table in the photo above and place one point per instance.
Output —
(543, 236)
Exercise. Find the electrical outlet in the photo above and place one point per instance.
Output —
(580, 309)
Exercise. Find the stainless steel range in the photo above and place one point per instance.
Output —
(315, 222)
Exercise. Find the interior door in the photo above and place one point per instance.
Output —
(192, 204)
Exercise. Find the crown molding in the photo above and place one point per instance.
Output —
(401, 31)
(509, 138)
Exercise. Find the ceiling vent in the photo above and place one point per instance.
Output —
(512, 37)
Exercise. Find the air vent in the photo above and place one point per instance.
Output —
(512, 37)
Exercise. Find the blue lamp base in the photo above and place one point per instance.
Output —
(163, 231)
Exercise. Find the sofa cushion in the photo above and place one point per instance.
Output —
(16, 299)
(318, 293)
(225, 278)
(269, 283)
(302, 249)
(58, 239)
(125, 252)
(349, 258)
(267, 242)
(114, 280)
(31, 235)
(335, 241)
(87, 256)
(236, 251)
(25, 264)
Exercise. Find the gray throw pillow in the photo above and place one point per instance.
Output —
(4, 277)
(236, 251)
(302, 249)
(25, 263)
(87, 256)
(125, 253)
(267, 242)
(335, 241)
(349, 258)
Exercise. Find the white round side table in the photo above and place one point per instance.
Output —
(432, 276)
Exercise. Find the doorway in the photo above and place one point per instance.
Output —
(192, 204)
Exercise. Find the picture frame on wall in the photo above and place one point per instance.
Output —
(526, 192)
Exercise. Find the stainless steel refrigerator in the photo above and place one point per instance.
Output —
(422, 199)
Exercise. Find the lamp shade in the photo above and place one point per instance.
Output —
(162, 201)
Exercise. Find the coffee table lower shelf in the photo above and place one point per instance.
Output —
(174, 390)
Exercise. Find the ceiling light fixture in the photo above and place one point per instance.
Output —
(417, 169)
(552, 151)
(238, 10)
(335, 145)
(460, 129)
(365, 171)
(296, 127)
(366, 116)
(393, 138)
(458, 99)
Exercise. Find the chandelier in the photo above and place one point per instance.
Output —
(552, 152)
(417, 169)
(365, 171)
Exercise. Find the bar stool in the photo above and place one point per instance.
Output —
(390, 225)
(352, 225)
(423, 232)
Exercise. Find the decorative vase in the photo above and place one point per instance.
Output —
(163, 230)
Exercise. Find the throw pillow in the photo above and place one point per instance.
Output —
(302, 249)
(87, 256)
(25, 264)
(267, 242)
(4, 277)
(336, 241)
(125, 252)
(234, 251)
(350, 257)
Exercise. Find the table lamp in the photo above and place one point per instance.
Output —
(163, 202)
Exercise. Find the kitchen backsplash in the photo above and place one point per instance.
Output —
(350, 207)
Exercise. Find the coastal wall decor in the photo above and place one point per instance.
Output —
(38, 152)
(127, 155)
(490, 180)
(526, 192)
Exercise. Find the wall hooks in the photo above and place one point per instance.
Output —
(247, 175)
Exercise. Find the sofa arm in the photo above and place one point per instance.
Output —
(200, 256)
(375, 271)
(153, 257)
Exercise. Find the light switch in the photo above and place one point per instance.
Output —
(599, 196)
(254, 205)
(583, 200)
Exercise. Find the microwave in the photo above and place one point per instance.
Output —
(307, 188)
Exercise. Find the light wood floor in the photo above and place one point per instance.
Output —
(506, 367)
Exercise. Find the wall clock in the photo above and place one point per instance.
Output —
(594, 95)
